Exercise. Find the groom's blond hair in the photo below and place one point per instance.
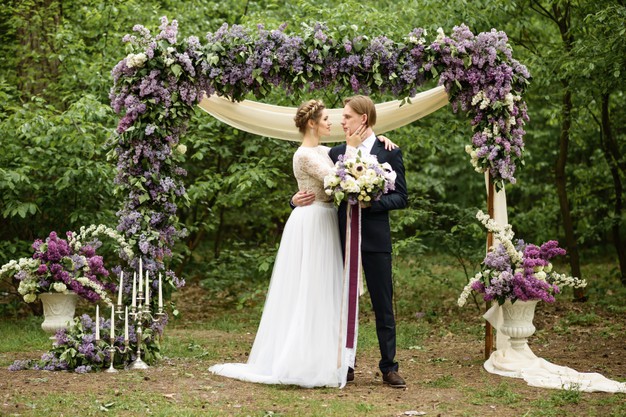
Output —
(362, 105)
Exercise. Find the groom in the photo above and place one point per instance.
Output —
(375, 231)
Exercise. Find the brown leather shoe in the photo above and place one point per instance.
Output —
(350, 376)
(394, 380)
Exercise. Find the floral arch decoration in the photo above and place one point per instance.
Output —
(161, 80)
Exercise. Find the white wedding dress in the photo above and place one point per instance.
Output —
(301, 336)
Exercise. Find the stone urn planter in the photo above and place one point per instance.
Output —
(518, 322)
(58, 310)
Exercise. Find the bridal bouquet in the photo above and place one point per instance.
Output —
(517, 271)
(361, 179)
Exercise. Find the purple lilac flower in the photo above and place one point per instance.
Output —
(498, 259)
(83, 369)
(20, 365)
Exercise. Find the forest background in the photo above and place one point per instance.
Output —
(57, 131)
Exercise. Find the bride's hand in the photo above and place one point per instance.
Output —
(389, 145)
(356, 138)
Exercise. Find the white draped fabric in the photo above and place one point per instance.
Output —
(538, 372)
(277, 122)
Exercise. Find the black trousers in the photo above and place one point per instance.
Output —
(377, 269)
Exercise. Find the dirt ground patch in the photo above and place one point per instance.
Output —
(444, 374)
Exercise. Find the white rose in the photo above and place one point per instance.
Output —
(181, 148)
(59, 287)
(349, 185)
(331, 181)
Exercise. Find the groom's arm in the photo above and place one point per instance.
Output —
(302, 198)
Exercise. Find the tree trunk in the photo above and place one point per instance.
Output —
(562, 18)
(612, 156)
(36, 63)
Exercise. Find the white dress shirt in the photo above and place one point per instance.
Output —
(366, 146)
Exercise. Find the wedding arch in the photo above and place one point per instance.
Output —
(161, 80)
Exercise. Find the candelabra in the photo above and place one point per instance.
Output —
(112, 349)
(140, 313)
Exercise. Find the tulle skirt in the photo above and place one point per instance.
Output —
(301, 335)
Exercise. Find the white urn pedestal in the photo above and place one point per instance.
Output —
(518, 322)
(58, 311)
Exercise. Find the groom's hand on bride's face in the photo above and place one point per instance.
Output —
(303, 198)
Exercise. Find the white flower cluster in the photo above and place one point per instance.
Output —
(474, 158)
(481, 98)
(503, 235)
(440, 35)
(562, 280)
(468, 289)
(27, 289)
(167, 56)
(16, 266)
(76, 242)
(509, 101)
(418, 41)
(136, 60)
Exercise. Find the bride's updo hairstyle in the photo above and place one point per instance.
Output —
(309, 110)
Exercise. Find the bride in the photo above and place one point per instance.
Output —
(301, 336)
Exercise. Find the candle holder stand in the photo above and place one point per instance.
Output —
(112, 348)
(139, 314)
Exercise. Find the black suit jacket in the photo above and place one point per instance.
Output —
(375, 229)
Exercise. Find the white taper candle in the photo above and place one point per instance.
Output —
(97, 322)
(134, 301)
(112, 322)
(160, 292)
(125, 324)
(147, 302)
(140, 276)
(119, 293)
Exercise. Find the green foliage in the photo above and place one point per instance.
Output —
(55, 122)
(54, 173)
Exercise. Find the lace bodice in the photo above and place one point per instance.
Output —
(310, 166)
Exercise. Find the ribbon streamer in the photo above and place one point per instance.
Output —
(353, 269)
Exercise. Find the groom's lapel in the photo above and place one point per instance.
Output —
(377, 147)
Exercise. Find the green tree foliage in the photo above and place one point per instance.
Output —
(55, 125)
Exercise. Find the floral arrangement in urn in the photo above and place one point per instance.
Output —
(517, 271)
(66, 265)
